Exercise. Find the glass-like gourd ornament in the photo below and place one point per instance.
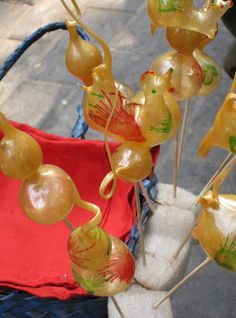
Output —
(19, 152)
(46, 195)
(183, 14)
(187, 74)
(131, 122)
(223, 131)
(113, 277)
(149, 118)
(216, 228)
(101, 263)
(127, 124)
(81, 55)
(211, 70)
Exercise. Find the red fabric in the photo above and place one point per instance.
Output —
(34, 257)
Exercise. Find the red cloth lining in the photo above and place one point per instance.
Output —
(34, 257)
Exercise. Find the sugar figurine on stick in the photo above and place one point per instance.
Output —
(101, 263)
(146, 120)
(215, 230)
(188, 31)
(221, 134)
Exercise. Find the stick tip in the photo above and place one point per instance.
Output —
(157, 304)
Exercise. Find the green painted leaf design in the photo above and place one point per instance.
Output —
(90, 282)
(166, 126)
(98, 234)
(226, 256)
(97, 95)
(209, 72)
(109, 245)
(232, 143)
(170, 6)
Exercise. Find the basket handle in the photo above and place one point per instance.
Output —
(34, 37)
(81, 126)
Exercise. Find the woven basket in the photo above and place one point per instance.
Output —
(15, 303)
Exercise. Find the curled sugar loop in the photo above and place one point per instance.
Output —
(105, 183)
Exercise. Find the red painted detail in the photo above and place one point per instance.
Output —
(74, 251)
(231, 3)
(171, 90)
(149, 72)
(122, 123)
(119, 266)
(197, 68)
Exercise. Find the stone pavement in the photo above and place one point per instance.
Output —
(40, 92)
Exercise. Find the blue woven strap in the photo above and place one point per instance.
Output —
(81, 126)
(34, 37)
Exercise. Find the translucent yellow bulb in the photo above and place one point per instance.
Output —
(89, 250)
(216, 229)
(81, 56)
(47, 195)
(20, 154)
(114, 276)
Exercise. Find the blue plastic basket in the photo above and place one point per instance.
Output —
(15, 303)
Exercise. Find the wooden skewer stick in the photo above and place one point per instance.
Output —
(175, 170)
(70, 226)
(233, 86)
(223, 167)
(117, 306)
(183, 130)
(184, 280)
(146, 196)
(185, 239)
(211, 181)
(139, 216)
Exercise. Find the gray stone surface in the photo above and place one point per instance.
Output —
(212, 292)
(9, 15)
(38, 97)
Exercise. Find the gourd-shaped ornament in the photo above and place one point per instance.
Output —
(125, 125)
(183, 14)
(130, 163)
(47, 195)
(20, 154)
(216, 228)
(89, 246)
(223, 131)
(101, 264)
(187, 73)
(81, 56)
(112, 277)
(211, 70)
